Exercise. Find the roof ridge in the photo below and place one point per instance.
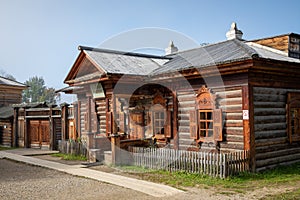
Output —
(127, 53)
(250, 51)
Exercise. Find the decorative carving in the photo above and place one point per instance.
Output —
(205, 99)
(159, 99)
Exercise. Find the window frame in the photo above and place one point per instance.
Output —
(205, 103)
(293, 103)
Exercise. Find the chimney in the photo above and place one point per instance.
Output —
(234, 32)
(171, 48)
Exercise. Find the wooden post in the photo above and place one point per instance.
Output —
(246, 126)
(175, 120)
(15, 127)
(115, 149)
(52, 132)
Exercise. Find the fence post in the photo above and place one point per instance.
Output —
(115, 149)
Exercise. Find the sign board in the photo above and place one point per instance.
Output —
(245, 114)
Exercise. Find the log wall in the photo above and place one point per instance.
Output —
(101, 113)
(6, 132)
(270, 128)
(230, 101)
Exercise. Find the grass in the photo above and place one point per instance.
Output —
(70, 156)
(280, 176)
(6, 148)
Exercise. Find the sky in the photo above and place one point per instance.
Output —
(41, 37)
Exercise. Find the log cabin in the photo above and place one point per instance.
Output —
(227, 96)
(10, 93)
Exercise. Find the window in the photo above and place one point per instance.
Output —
(206, 121)
(159, 122)
(293, 116)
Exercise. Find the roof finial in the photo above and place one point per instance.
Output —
(171, 48)
(234, 32)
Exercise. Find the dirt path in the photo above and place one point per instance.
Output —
(18, 180)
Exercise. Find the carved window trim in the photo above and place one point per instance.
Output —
(293, 116)
(206, 121)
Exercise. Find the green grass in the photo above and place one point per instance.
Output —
(284, 175)
(70, 156)
(6, 148)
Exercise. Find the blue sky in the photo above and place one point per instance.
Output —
(40, 37)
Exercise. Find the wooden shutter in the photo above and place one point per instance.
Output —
(109, 123)
(193, 125)
(168, 127)
(122, 122)
(94, 120)
(217, 121)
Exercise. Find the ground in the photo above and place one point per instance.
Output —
(22, 181)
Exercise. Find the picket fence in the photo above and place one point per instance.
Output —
(213, 164)
(72, 147)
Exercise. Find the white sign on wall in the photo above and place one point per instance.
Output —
(245, 114)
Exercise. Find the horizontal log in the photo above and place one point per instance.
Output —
(230, 101)
(234, 130)
(271, 141)
(269, 98)
(277, 160)
(278, 153)
(269, 111)
(269, 119)
(235, 138)
(231, 145)
(234, 116)
(270, 134)
(270, 126)
(271, 91)
(269, 104)
(229, 94)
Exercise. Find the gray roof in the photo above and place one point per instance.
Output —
(227, 51)
(116, 62)
(6, 112)
(6, 81)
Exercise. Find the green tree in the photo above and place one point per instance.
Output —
(38, 92)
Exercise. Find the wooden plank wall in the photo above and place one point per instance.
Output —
(270, 128)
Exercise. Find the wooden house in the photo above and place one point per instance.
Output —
(10, 93)
(228, 96)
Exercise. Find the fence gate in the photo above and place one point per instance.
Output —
(39, 133)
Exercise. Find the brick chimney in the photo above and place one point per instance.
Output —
(234, 32)
(171, 48)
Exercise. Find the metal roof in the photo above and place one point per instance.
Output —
(227, 51)
(9, 82)
(117, 62)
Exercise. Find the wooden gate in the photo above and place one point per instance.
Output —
(39, 133)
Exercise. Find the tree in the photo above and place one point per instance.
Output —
(6, 75)
(38, 92)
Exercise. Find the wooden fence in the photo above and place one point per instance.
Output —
(214, 164)
(72, 147)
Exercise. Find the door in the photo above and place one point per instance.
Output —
(39, 133)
